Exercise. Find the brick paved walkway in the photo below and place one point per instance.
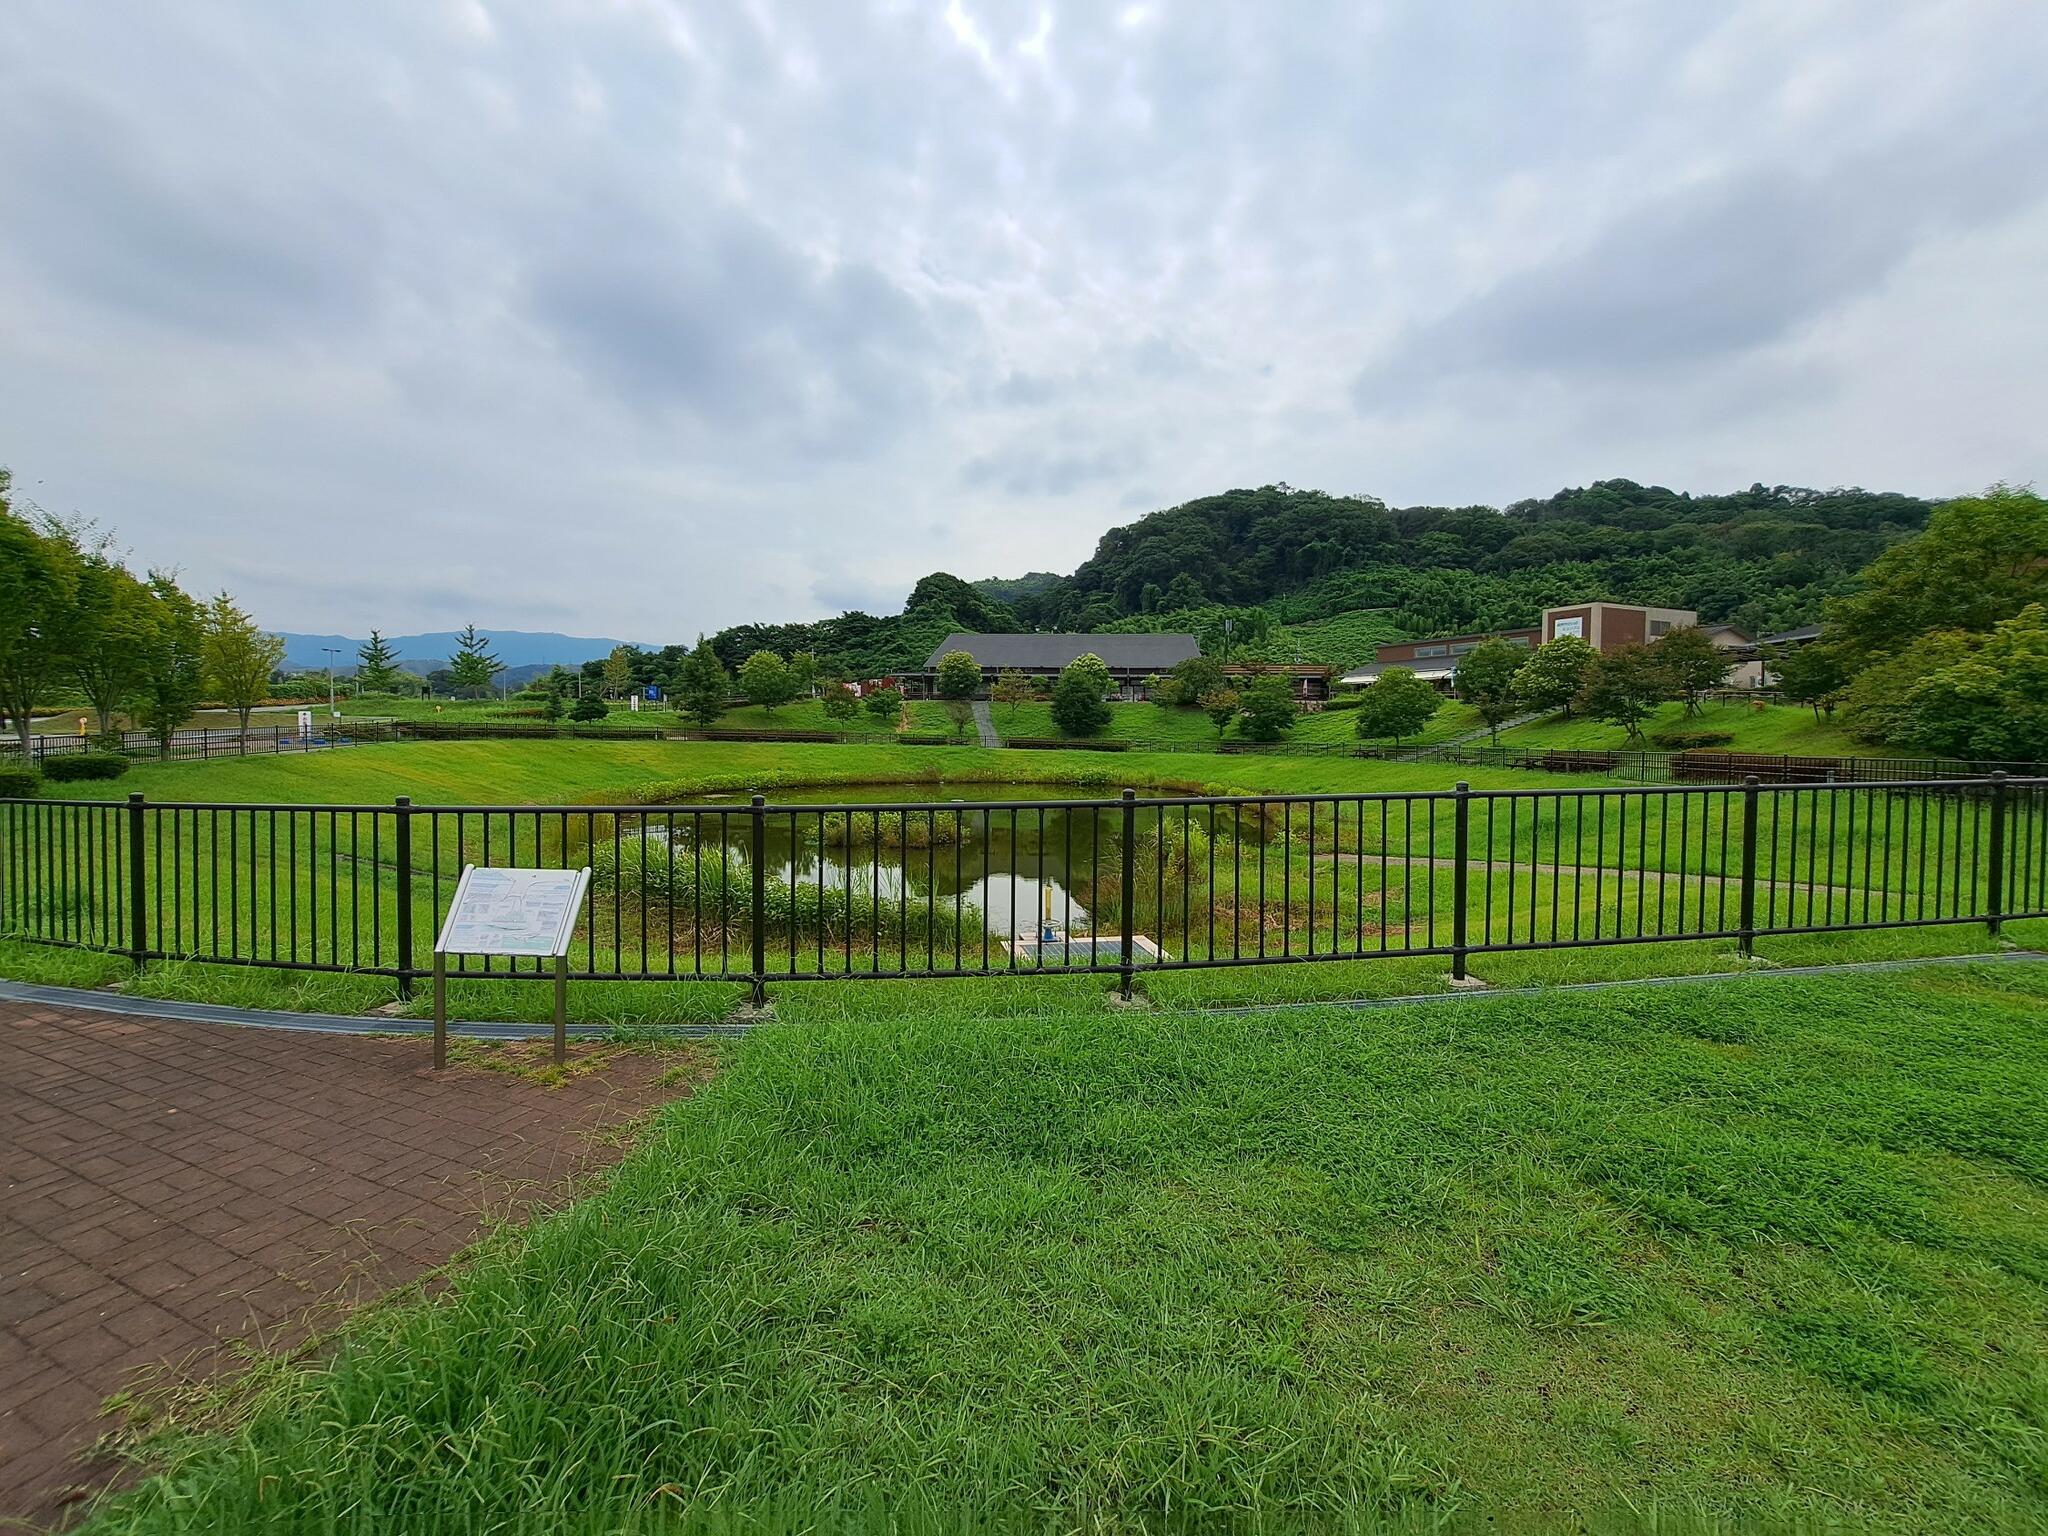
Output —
(166, 1187)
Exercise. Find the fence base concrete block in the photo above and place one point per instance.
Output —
(1468, 984)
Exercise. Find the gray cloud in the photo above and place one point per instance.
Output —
(98, 212)
(1057, 467)
(676, 316)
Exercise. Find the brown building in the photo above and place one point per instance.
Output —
(1604, 626)
(1610, 626)
(1309, 680)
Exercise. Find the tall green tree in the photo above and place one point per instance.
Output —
(1011, 689)
(1078, 704)
(1268, 708)
(1485, 679)
(618, 671)
(1190, 682)
(38, 608)
(885, 705)
(840, 703)
(376, 666)
(1694, 664)
(765, 680)
(959, 680)
(701, 685)
(1555, 675)
(474, 666)
(1987, 699)
(113, 610)
(1979, 560)
(1397, 703)
(1222, 705)
(1624, 688)
(803, 673)
(173, 654)
(240, 658)
(1811, 674)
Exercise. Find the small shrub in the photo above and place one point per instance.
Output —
(78, 766)
(1688, 741)
(588, 708)
(18, 784)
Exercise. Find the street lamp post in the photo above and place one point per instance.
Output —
(1228, 625)
(332, 652)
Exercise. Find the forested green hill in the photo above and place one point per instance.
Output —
(1327, 577)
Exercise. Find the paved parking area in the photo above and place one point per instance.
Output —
(168, 1188)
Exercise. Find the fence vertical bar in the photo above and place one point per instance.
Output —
(138, 895)
(1994, 856)
(401, 810)
(1746, 929)
(759, 860)
(1461, 826)
(1124, 901)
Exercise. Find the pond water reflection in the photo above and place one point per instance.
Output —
(1017, 867)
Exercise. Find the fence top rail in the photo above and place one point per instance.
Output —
(740, 806)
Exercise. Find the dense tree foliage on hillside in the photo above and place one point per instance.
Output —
(1324, 578)
(1765, 557)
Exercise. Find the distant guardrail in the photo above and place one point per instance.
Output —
(1698, 765)
(201, 744)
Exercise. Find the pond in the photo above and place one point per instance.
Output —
(1033, 861)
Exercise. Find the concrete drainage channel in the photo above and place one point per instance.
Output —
(741, 1024)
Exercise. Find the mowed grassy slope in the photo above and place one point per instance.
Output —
(1781, 728)
(1781, 1259)
(556, 772)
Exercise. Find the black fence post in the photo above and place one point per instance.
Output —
(1461, 827)
(401, 811)
(1128, 885)
(1746, 940)
(138, 886)
(1994, 855)
(759, 861)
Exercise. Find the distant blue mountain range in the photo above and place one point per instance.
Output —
(516, 648)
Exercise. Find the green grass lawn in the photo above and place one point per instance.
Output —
(1763, 1253)
(572, 772)
(1779, 728)
(1158, 724)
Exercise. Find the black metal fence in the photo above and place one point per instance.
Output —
(756, 893)
(203, 744)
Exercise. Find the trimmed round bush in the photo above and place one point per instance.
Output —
(18, 784)
(74, 767)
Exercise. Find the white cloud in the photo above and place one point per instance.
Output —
(616, 315)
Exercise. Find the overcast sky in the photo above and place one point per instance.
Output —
(637, 317)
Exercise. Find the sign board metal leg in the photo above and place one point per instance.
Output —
(440, 1010)
(561, 1009)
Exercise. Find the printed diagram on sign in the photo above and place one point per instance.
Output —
(512, 912)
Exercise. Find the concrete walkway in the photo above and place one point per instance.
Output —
(170, 1187)
(985, 724)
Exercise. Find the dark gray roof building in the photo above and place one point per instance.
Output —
(1129, 654)
(1805, 634)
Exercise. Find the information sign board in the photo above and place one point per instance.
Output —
(513, 911)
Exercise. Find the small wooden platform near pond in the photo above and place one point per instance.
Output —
(1083, 949)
